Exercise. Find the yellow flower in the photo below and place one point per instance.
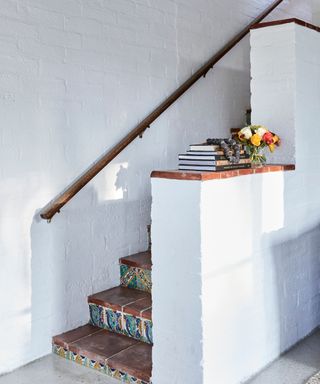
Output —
(271, 147)
(256, 140)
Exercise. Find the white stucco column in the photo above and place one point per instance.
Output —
(285, 96)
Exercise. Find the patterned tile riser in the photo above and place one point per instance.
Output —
(136, 278)
(82, 360)
(123, 323)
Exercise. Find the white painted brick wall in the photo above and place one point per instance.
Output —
(273, 81)
(75, 76)
(237, 269)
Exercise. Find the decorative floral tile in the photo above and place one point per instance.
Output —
(128, 276)
(132, 326)
(86, 362)
(124, 377)
(146, 328)
(112, 320)
(136, 278)
(143, 277)
(82, 360)
(123, 323)
(96, 315)
(60, 351)
(116, 374)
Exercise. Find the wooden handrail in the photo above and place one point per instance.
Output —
(57, 203)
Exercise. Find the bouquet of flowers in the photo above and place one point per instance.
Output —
(255, 138)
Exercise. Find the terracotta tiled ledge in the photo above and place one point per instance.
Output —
(202, 176)
(286, 21)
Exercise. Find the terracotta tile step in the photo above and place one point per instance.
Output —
(138, 260)
(134, 302)
(135, 271)
(115, 355)
(123, 310)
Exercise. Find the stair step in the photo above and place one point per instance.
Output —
(135, 271)
(116, 355)
(138, 260)
(123, 310)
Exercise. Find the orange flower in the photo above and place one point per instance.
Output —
(256, 140)
(276, 140)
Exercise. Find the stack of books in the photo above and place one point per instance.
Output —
(204, 157)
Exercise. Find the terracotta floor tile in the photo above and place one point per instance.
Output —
(136, 360)
(68, 337)
(117, 297)
(139, 307)
(102, 345)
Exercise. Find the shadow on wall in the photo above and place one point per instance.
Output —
(274, 294)
(291, 261)
(297, 275)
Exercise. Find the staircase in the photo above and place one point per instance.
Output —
(118, 340)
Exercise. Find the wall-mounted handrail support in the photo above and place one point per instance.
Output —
(57, 203)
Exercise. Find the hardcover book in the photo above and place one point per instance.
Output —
(212, 162)
(206, 147)
(213, 168)
(206, 157)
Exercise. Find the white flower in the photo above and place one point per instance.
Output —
(261, 131)
(246, 132)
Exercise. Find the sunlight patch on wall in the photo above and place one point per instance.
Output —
(114, 185)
